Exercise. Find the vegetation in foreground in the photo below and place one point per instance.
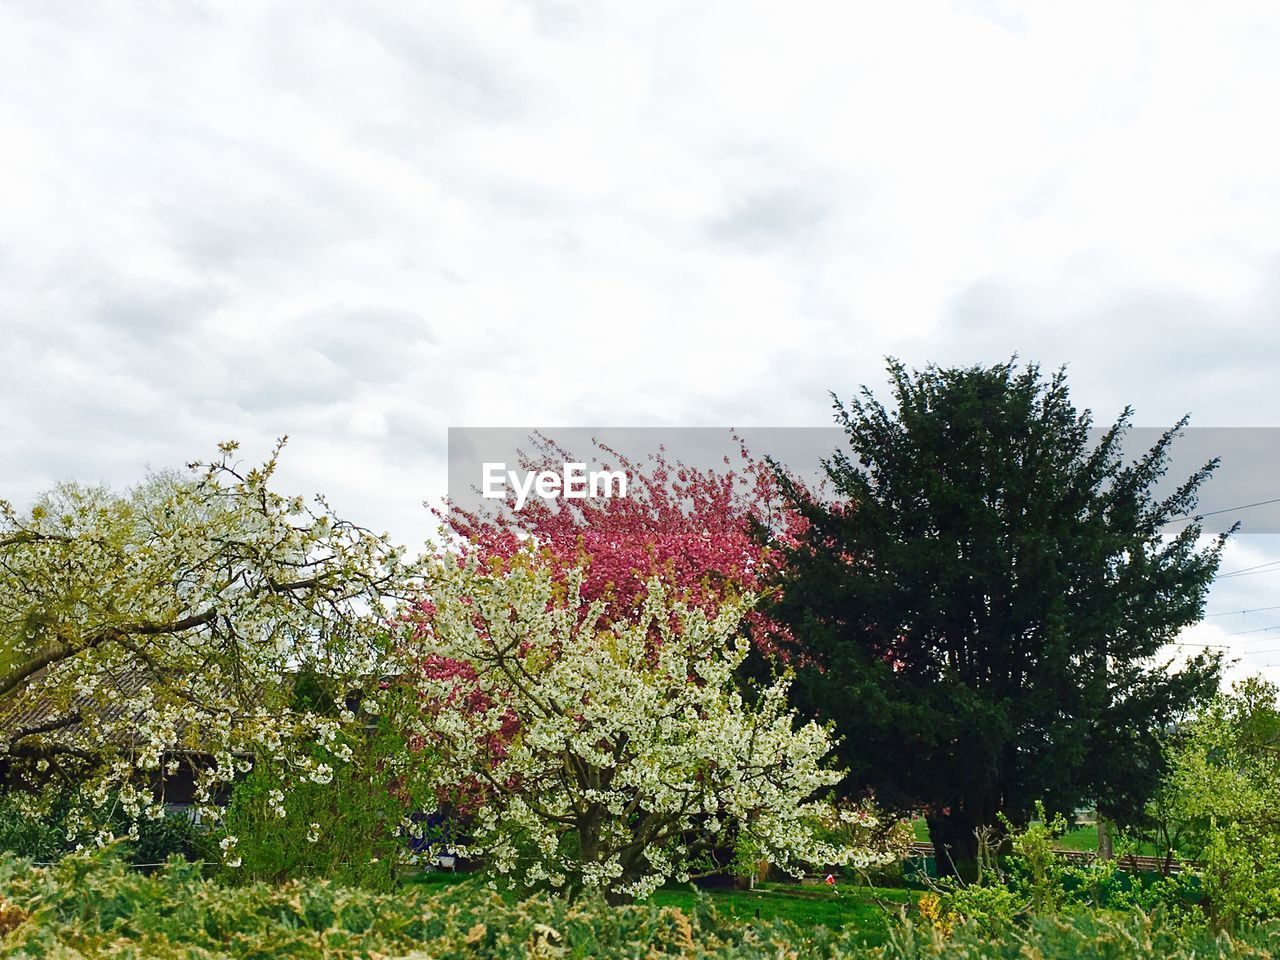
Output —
(97, 907)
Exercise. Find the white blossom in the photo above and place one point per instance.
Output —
(175, 617)
(608, 752)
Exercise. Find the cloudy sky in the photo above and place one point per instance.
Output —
(362, 223)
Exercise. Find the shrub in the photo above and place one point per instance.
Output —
(1035, 881)
(90, 906)
(46, 826)
(1225, 783)
(29, 831)
(1081, 935)
(346, 829)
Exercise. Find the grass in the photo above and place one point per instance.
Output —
(1081, 838)
(870, 909)
(436, 879)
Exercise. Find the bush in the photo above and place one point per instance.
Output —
(346, 829)
(1082, 935)
(44, 827)
(94, 906)
(1036, 881)
(1225, 787)
(29, 832)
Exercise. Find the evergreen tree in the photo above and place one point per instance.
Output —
(985, 597)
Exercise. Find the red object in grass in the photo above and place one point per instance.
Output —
(830, 881)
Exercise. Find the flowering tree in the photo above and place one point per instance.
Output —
(605, 749)
(698, 531)
(165, 626)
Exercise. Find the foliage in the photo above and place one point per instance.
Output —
(1082, 935)
(604, 749)
(95, 907)
(987, 596)
(697, 531)
(990, 907)
(152, 628)
(49, 825)
(1225, 784)
(1165, 830)
(1034, 880)
(861, 826)
(349, 830)
(27, 830)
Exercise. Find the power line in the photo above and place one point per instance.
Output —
(1242, 633)
(1226, 648)
(1239, 574)
(1230, 613)
(1195, 518)
(1256, 566)
(1243, 506)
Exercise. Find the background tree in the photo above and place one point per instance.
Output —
(141, 629)
(987, 597)
(1224, 790)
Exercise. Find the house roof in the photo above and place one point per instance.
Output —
(44, 715)
(36, 715)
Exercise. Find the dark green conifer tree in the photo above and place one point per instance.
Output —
(985, 598)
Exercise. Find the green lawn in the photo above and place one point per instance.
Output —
(868, 908)
(437, 878)
(1081, 838)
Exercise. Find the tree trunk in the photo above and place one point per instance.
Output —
(955, 845)
(1106, 850)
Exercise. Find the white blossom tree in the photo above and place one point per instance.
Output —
(602, 753)
(168, 622)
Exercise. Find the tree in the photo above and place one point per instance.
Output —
(1224, 787)
(987, 597)
(140, 631)
(695, 530)
(605, 750)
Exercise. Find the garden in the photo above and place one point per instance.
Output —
(922, 709)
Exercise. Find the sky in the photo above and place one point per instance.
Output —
(362, 223)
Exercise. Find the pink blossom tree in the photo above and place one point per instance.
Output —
(706, 535)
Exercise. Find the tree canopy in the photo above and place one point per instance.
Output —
(986, 593)
(693, 529)
(140, 629)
